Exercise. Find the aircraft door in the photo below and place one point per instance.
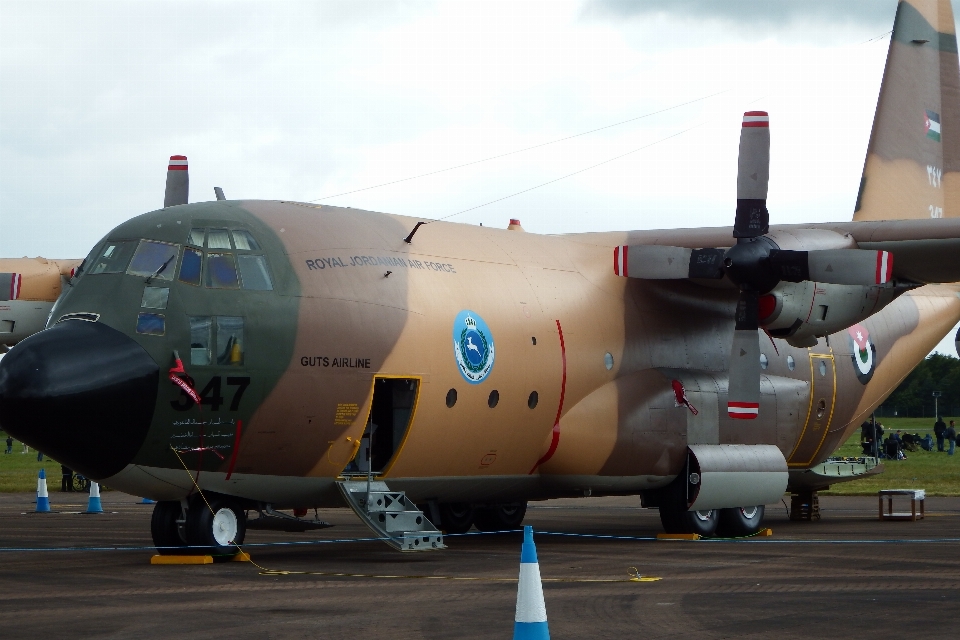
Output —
(391, 414)
(823, 393)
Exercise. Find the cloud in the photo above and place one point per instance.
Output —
(876, 13)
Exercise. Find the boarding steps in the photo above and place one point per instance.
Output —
(393, 517)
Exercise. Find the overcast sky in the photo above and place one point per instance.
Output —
(306, 100)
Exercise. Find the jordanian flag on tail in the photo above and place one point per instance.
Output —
(931, 125)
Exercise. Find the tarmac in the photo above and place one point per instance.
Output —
(847, 575)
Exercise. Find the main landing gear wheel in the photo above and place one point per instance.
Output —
(215, 530)
(703, 523)
(164, 528)
(501, 517)
(740, 521)
(456, 517)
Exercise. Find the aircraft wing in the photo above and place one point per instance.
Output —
(924, 251)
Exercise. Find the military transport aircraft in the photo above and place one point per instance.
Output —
(437, 376)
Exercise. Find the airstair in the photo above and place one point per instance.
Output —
(391, 515)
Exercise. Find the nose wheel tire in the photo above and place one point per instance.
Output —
(215, 530)
(501, 517)
(456, 517)
(703, 523)
(164, 528)
(740, 521)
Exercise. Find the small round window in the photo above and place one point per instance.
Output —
(533, 399)
(764, 363)
(494, 399)
(608, 360)
(451, 398)
(791, 363)
(823, 368)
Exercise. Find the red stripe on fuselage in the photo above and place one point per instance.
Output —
(555, 438)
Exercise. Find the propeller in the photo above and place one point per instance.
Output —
(178, 182)
(754, 263)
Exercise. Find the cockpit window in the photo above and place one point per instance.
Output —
(253, 272)
(201, 327)
(196, 237)
(114, 257)
(229, 340)
(244, 241)
(190, 266)
(222, 271)
(154, 260)
(218, 239)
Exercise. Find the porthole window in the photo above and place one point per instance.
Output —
(823, 368)
(493, 399)
(451, 398)
(764, 363)
(151, 324)
(534, 339)
(608, 360)
(533, 399)
(791, 363)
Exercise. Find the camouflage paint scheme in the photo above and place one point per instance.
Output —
(40, 284)
(600, 351)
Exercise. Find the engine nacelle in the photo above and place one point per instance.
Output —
(804, 311)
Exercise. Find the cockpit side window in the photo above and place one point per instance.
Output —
(114, 258)
(154, 260)
(218, 239)
(229, 340)
(222, 271)
(191, 266)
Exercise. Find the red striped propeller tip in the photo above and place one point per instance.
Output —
(756, 119)
(177, 163)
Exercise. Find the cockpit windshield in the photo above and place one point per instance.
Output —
(154, 260)
(114, 257)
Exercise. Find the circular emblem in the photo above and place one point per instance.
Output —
(864, 353)
(472, 346)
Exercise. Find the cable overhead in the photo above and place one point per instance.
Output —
(510, 153)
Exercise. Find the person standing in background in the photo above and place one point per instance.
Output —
(951, 435)
(938, 428)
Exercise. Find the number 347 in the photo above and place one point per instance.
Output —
(211, 394)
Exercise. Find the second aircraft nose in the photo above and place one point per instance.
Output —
(81, 392)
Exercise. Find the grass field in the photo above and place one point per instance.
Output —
(938, 473)
(18, 471)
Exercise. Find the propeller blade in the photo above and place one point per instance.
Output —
(834, 266)
(753, 174)
(743, 396)
(656, 262)
(178, 182)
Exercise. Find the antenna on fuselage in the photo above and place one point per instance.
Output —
(217, 191)
(409, 238)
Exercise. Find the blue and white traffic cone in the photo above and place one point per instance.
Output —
(43, 498)
(93, 503)
(531, 618)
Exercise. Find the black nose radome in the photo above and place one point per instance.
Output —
(80, 392)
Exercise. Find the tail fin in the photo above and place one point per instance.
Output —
(912, 170)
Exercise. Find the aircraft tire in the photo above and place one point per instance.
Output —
(163, 528)
(703, 523)
(214, 530)
(501, 517)
(739, 521)
(456, 517)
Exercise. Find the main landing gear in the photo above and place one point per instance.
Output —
(196, 528)
(724, 523)
(458, 517)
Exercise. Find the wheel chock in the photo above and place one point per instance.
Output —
(765, 532)
(158, 559)
(243, 556)
(678, 536)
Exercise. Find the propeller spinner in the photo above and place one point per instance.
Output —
(755, 264)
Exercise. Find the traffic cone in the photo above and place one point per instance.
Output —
(531, 617)
(93, 504)
(43, 499)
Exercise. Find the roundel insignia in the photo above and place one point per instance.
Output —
(472, 346)
(864, 353)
